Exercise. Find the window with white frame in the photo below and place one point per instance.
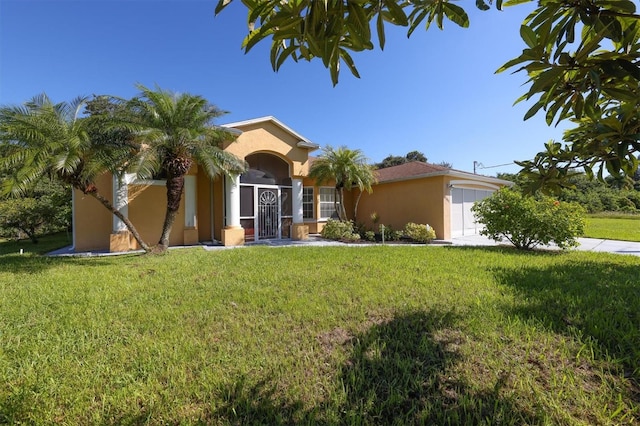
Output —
(327, 203)
(307, 202)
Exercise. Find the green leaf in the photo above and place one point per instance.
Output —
(396, 12)
(529, 36)
(480, 4)
(380, 29)
(516, 2)
(349, 61)
(533, 110)
(456, 14)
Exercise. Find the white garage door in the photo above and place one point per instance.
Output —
(463, 221)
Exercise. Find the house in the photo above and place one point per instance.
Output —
(274, 198)
(426, 193)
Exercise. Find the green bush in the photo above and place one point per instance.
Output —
(527, 222)
(389, 233)
(369, 236)
(419, 233)
(339, 230)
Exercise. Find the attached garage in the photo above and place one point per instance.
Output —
(463, 221)
(426, 193)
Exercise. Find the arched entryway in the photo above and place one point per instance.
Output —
(266, 209)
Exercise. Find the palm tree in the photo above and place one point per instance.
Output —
(42, 139)
(175, 131)
(348, 168)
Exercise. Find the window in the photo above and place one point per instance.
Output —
(327, 206)
(307, 202)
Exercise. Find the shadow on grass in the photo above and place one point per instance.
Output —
(397, 373)
(597, 301)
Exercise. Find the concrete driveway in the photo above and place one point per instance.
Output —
(586, 244)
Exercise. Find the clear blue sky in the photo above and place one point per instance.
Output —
(436, 92)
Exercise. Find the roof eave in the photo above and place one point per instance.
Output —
(453, 173)
(302, 141)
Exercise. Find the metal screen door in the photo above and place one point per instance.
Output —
(268, 212)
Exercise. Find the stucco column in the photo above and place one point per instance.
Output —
(297, 200)
(120, 238)
(232, 199)
(233, 233)
(120, 201)
(300, 231)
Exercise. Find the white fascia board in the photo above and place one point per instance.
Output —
(454, 173)
(302, 143)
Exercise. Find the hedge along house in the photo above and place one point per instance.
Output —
(427, 194)
(274, 198)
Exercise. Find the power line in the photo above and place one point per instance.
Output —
(479, 165)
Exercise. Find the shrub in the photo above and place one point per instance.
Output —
(419, 233)
(389, 233)
(339, 230)
(527, 222)
(370, 236)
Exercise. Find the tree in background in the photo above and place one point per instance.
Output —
(396, 160)
(582, 59)
(348, 169)
(594, 195)
(174, 132)
(41, 139)
(42, 210)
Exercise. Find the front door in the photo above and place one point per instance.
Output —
(268, 213)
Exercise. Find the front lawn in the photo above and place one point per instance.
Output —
(613, 227)
(329, 335)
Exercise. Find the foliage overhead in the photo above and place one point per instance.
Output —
(581, 57)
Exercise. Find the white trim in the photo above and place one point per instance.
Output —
(153, 182)
(73, 219)
(232, 196)
(296, 202)
(333, 189)
(302, 143)
(190, 202)
(453, 173)
(467, 184)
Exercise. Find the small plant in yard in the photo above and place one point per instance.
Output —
(370, 236)
(389, 233)
(339, 230)
(419, 233)
(526, 221)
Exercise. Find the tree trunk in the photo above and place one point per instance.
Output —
(355, 207)
(343, 210)
(175, 185)
(95, 194)
(31, 234)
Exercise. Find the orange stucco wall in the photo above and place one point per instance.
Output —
(92, 221)
(268, 137)
(397, 203)
(147, 211)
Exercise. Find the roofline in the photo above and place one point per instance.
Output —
(302, 141)
(452, 173)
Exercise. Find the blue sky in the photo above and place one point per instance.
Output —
(436, 92)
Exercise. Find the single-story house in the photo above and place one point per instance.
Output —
(274, 198)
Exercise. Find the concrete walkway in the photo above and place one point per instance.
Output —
(586, 244)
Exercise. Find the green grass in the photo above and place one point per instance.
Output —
(613, 227)
(45, 244)
(328, 335)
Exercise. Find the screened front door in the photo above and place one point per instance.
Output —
(268, 213)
